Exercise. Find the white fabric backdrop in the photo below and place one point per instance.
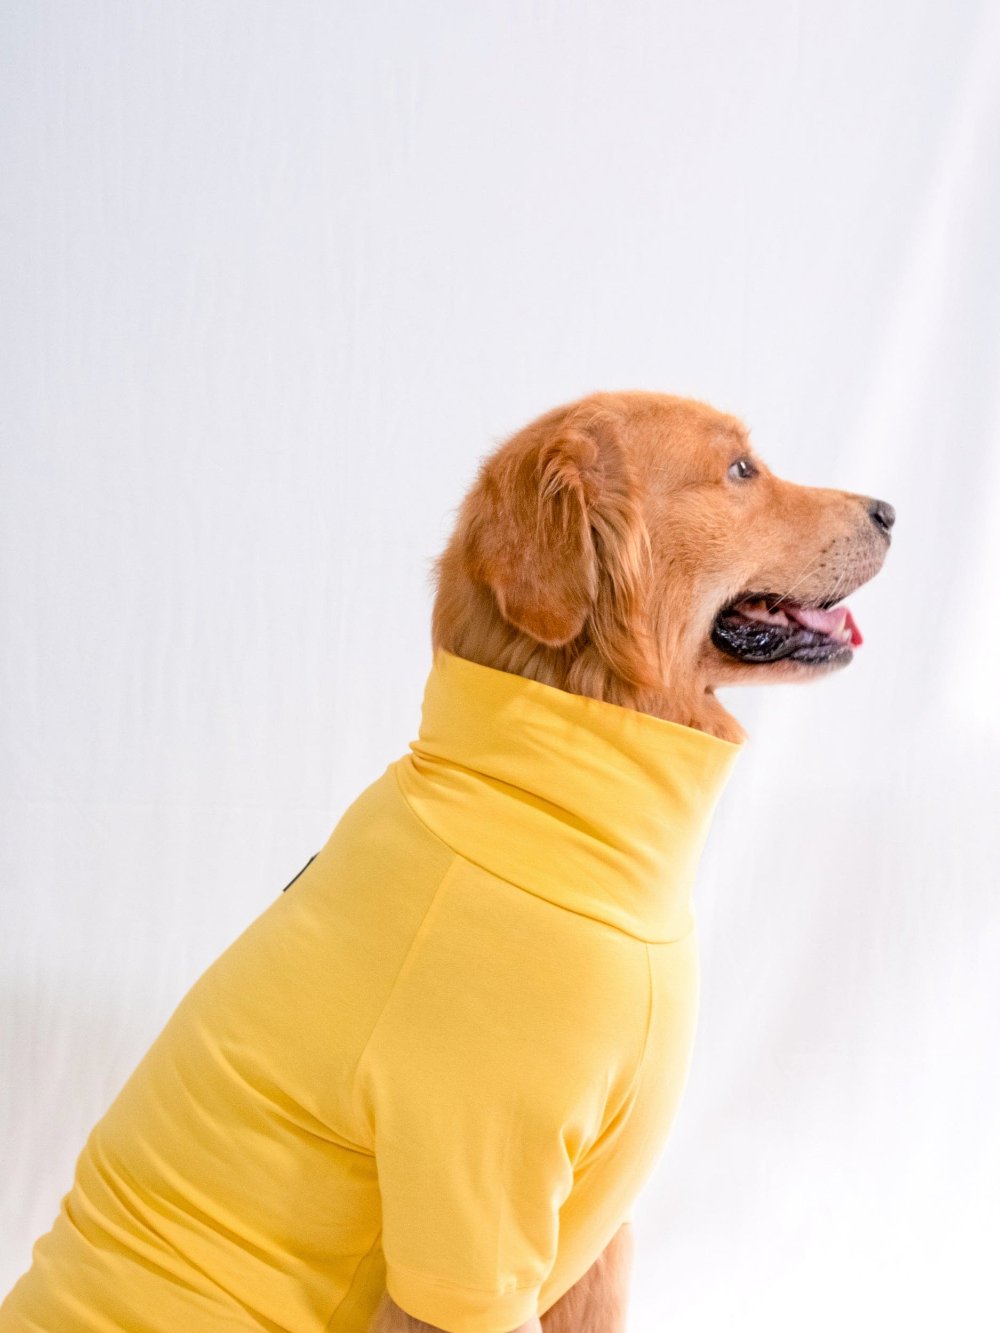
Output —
(275, 277)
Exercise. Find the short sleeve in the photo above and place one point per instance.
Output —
(483, 1087)
(476, 1131)
(472, 1177)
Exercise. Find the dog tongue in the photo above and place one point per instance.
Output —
(827, 622)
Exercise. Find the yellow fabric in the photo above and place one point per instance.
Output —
(444, 1061)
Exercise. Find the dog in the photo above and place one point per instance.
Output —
(422, 1090)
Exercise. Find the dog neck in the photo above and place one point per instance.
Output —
(686, 698)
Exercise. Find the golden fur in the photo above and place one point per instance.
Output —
(597, 545)
(593, 553)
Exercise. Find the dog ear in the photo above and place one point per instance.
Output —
(555, 529)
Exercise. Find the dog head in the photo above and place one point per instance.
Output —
(634, 547)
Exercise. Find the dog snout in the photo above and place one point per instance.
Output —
(883, 516)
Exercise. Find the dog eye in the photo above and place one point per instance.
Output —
(742, 470)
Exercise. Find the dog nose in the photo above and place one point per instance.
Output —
(883, 516)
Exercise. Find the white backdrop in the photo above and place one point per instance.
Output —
(274, 278)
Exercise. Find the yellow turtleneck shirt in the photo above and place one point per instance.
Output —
(445, 1061)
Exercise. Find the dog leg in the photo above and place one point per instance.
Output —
(389, 1318)
(598, 1302)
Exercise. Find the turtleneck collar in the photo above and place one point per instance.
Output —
(598, 808)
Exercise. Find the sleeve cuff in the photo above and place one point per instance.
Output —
(461, 1309)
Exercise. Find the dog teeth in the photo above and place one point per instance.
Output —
(759, 611)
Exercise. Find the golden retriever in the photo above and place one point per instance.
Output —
(634, 547)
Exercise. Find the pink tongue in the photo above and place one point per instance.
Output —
(827, 622)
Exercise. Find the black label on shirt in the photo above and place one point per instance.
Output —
(301, 872)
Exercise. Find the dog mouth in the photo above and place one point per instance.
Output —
(765, 627)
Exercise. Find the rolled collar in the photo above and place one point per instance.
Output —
(598, 808)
